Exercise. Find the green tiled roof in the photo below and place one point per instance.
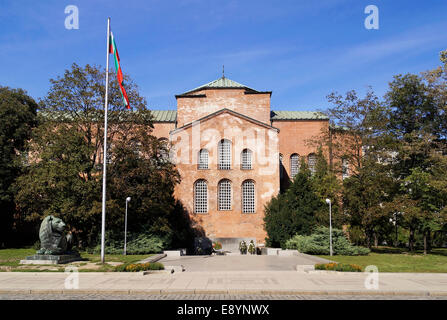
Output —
(171, 115)
(164, 115)
(220, 83)
(297, 115)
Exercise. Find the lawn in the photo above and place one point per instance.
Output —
(397, 260)
(10, 261)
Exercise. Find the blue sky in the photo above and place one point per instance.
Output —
(300, 50)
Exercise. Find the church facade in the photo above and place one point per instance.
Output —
(233, 151)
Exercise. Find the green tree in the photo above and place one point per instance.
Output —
(417, 128)
(292, 212)
(17, 118)
(326, 185)
(413, 123)
(357, 135)
(65, 178)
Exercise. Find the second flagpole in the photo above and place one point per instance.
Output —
(104, 158)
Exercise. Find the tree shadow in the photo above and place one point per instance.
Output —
(187, 232)
(418, 251)
(284, 179)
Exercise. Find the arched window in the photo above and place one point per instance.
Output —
(248, 196)
(200, 196)
(294, 164)
(203, 159)
(312, 162)
(224, 195)
(246, 160)
(345, 168)
(224, 154)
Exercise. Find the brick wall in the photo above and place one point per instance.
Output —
(256, 106)
(262, 140)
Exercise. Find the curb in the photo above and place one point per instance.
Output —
(227, 292)
(153, 258)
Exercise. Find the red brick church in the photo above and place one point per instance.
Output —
(231, 149)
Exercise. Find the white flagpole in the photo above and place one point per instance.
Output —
(104, 158)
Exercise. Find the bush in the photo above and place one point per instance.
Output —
(318, 243)
(339, 267)
(36, 245)
(141, 244)
(136, 267)
(217, 245)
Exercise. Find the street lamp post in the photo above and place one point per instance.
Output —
(125, 227)
(395, 223)
(328, 201)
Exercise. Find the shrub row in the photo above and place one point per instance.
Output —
(339, 267)
(136, 267)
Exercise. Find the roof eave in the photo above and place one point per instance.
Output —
(211, 115)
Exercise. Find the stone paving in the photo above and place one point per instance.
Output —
(225, 282)
(242, 262)
(96, 296)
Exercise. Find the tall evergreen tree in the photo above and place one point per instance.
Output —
(292, 212)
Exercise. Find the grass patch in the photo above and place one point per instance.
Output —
(115, 257)
(10, 261)
(398, 260)
(12, 257)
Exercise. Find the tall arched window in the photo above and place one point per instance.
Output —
(224, 154)
(312, 162)
(248, 196)
(224, 195)
(203, 159)
(246, 160)
(200, 196)
(294, 164)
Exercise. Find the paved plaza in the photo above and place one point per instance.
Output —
(242, 262)
(317, 283)
(200, 297)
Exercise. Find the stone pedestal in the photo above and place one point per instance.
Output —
(51, 259)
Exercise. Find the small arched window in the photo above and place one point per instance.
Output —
(246, 159)
(203, 159)
(294, 164)
(200, 196)
(224, 195)
(248, 197)
(224, 154)
(312, 162)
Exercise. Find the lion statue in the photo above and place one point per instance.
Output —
(53, 240)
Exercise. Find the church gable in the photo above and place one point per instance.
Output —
(221, 94)
(242, 118)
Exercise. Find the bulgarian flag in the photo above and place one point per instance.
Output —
(113, 50)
